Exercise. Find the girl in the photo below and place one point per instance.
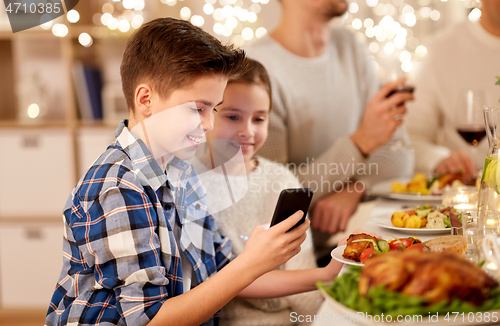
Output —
(242, 120)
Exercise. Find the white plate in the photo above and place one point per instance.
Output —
(385, 222)
(383, 189)
(336, 309)
(337, 255)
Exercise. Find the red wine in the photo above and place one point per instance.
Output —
(472, 134)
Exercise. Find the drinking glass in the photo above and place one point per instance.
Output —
(489, 193)
(471, 234)
(488, 222)
(490, 254)
(476, 224)
(391, 71)
(461, 198)
(469, 121)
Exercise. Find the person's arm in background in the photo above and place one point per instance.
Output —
(425, 119)
(383, 163)
(343, 151)
(423, 122)
(373, 138)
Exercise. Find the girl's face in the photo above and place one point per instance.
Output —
(243, 118)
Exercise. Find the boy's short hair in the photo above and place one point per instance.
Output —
(254, 74)
(169, 54)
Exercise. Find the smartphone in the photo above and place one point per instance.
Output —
(402, 88)
(290, 201)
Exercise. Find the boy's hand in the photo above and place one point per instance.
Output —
(268, 248)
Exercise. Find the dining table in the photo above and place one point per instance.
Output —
(368, 213)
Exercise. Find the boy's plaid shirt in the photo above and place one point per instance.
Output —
(120, 258)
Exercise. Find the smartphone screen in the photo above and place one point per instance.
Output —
(290, 201)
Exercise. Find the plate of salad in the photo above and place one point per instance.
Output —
(424, 219)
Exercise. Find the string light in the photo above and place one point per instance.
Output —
(60, 30)
(185, 13)
(388, 26)
(474, 14)
(73, 16)
(33, 111)
(232, 19)
(85, 40)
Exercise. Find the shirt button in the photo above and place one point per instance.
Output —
(197, 206)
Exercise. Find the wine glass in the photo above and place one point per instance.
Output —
(400, 140)
(469, 119)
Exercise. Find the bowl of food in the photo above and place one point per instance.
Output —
(438, 287)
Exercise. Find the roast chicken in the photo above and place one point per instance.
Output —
(353, 250)
(433, 276)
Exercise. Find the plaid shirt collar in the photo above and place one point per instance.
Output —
(149, 170)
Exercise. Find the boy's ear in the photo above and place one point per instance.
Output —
(143, 99)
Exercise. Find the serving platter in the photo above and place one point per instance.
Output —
(338, 314)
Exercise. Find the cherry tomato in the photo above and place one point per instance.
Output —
(419, 247)
(396, 244)
(367, 253)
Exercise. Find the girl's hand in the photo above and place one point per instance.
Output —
(267, 248)
(332, 269)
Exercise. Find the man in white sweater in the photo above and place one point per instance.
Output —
(330, 121)
(466, 56)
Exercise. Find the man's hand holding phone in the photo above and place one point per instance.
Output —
(269, 247)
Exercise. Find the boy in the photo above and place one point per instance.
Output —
(138, 249)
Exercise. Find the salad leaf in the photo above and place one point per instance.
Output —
(379, 300)
(429, 184)
(447, 222)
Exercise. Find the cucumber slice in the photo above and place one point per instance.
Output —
(383, 245)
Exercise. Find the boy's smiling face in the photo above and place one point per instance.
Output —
(177, 125)
(243, 118)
